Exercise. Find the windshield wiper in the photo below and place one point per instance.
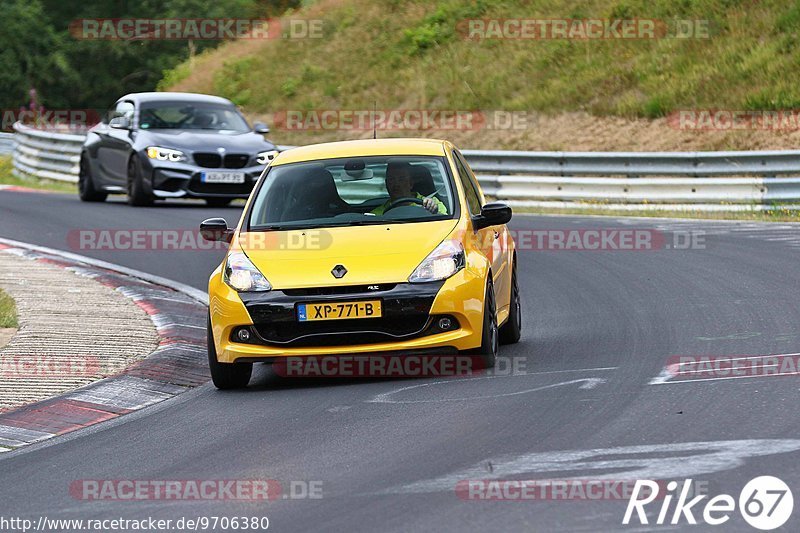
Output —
(364, 223)
(283, 227)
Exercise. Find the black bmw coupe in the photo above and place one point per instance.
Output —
(154, 146)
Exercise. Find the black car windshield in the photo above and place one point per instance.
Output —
(354, 191)
(191, 116)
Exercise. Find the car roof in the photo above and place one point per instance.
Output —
(362, 148)
(175, 96)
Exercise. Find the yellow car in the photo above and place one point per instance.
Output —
(362, 247)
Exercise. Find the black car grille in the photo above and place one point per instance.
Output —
(405, 309)
(236, 160)
(211, 160)
(342, 332)
(208, 160)
(348, 289)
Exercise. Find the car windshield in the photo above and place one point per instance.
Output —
(191, 116)
(354, 191)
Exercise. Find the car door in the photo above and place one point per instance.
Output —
(114, 147)
(493, 241)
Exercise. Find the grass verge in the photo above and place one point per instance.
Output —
(8, 178)
(8, 311)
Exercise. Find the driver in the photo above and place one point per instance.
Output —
(399, 183)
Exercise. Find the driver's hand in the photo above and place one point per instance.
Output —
(430, 205)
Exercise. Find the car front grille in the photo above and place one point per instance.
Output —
(236, 160)
(211, 160)
(405, 306)
(342, 332)
(208, 160)
(346, 289)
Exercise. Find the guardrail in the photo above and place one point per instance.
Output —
(45, 154)
(6, 143)
(707, 181)
(606, 180)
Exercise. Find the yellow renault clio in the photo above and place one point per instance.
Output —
(362, 247)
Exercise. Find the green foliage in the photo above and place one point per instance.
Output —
(411, 53)
(289, 87)
(8, 311)
(440, 26)
(772, 101)
(228, 80)
(38, 50)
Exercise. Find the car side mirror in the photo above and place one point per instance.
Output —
(260, 127)
(493, 214)
(120, 123)
(216, 229)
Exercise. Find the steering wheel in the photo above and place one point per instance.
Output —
(405, 200)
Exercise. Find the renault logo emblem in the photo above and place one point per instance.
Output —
(339, 271)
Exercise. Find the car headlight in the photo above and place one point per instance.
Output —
(243, 276)
(444, 261)
(165, 154)
(265, 158)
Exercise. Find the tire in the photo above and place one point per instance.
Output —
(490, 337)
(137, 195)
(218, 202)
(86, 189)
(511, 331)
(226, 376)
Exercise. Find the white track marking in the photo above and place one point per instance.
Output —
(587, 383)
(665, 461)
(567, 371)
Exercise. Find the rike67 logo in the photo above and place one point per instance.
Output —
(765, 503)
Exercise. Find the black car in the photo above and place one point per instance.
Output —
(156, 146)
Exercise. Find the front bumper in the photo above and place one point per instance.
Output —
(409, 323)
(183, 180)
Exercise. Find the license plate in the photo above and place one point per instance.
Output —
(339, 310)
(222, 177)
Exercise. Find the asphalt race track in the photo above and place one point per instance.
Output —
(599, 329)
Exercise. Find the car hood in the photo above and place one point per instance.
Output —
(386, 253)
(205, 141)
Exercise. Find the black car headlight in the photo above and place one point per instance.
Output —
(265, 158)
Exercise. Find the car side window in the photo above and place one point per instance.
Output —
(473, 200)
(471, 175)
